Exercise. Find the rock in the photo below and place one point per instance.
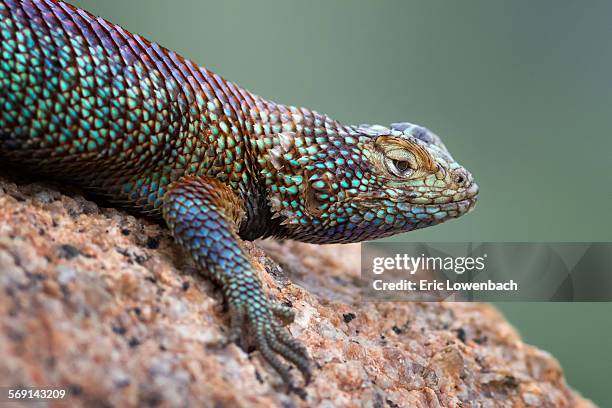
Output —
(106, 306)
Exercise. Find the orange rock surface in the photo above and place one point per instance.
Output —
(106, 306)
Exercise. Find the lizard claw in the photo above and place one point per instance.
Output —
(285, 313)
(265, 320)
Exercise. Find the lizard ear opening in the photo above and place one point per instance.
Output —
(317, 191)
(312, 204)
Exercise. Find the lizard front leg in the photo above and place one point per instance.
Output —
(203, 215)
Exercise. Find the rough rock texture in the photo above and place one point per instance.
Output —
(105, 305)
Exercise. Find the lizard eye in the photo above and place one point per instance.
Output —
(398, 158)
(399, 167)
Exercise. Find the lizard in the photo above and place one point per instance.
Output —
(86, 102)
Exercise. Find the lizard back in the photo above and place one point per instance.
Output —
(86, 101)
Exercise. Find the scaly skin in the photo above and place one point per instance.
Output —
(86, 102)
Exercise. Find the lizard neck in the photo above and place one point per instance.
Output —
(266, 128)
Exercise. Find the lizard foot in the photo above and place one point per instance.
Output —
(271, 339)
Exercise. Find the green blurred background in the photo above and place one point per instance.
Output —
(520, 91)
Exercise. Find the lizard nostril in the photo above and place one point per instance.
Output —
(460, 178)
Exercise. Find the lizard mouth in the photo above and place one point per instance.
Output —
(465, 205)
(461, 207)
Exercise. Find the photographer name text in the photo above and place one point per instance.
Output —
(424, 285)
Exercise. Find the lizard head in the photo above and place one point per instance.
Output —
(373, 182)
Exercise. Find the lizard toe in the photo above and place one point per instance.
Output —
(270, 355)
(286, 314)
(273, 342)
(292, 350)
(237, 317)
